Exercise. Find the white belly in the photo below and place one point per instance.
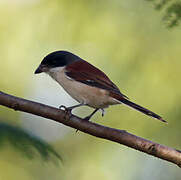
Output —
(94, 97)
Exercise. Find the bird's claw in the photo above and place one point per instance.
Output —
(62, 107)
(66, 109)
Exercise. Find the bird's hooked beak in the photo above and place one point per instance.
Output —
(41, 68)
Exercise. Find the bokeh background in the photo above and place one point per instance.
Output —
(128, 41)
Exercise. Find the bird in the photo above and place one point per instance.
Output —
(85, 83)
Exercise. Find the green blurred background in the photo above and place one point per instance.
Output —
(125, 39)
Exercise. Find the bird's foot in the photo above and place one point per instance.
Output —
(68, 110)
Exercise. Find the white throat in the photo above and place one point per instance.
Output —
(56, 73)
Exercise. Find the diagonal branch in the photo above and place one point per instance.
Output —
(115, 135)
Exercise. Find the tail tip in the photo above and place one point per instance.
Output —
(161, 119)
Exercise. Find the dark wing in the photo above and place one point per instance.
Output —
(86, 73)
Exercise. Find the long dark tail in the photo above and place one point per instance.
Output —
(139, 108)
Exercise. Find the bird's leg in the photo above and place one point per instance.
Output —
(69, 109)
(88, 117)
(103, 112)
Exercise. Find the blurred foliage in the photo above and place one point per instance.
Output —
(128, 42)
(172, 11)
(25, 143)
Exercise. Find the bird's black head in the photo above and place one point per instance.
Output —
(56, 59)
